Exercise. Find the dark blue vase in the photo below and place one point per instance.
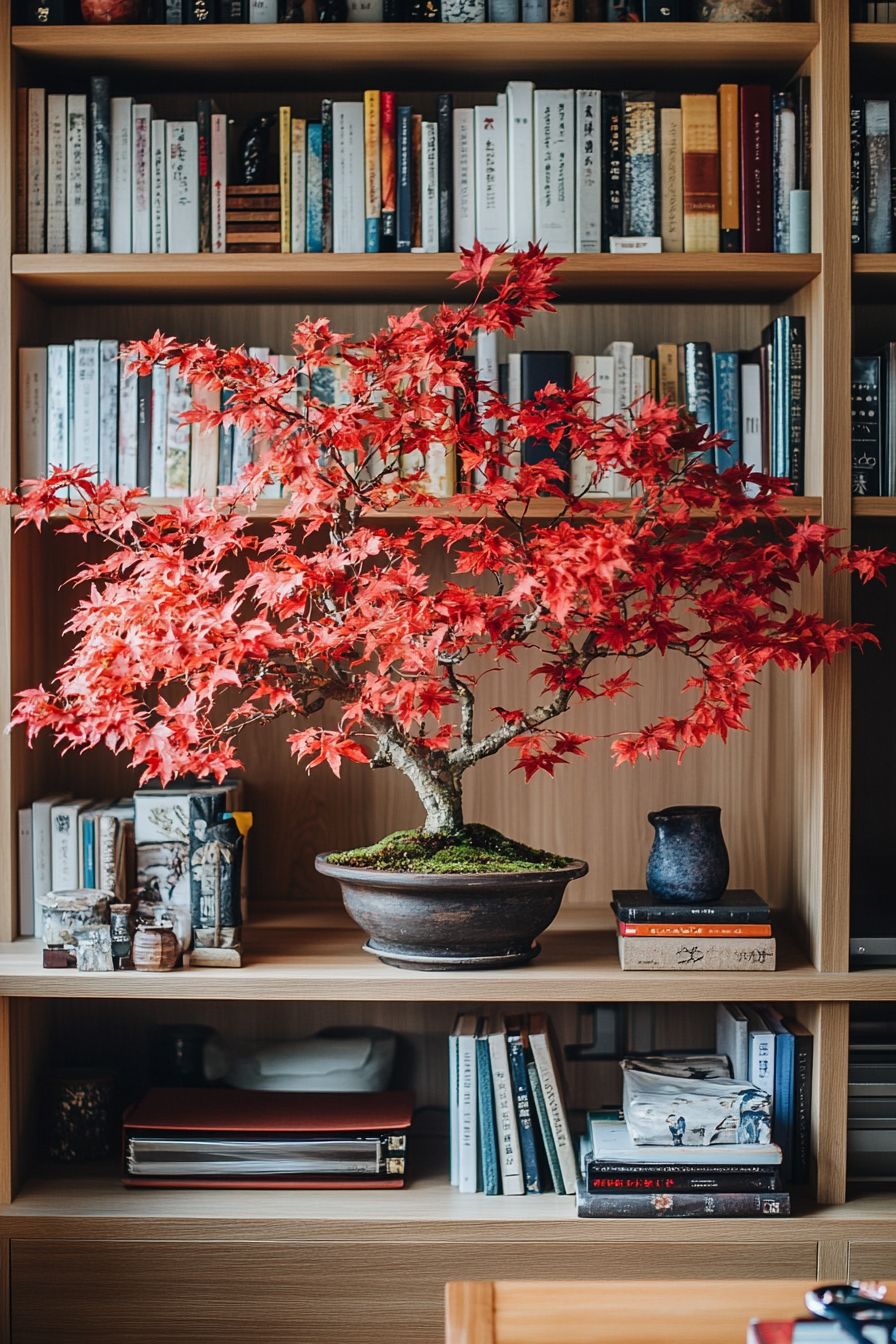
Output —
(688, 862)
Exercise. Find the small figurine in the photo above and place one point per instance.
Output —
(253, 148)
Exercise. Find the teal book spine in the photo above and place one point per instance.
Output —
(726, 406)
(544, 1125)
(523, 1114)
(488, 1139)
(88, 833)
(314, 201)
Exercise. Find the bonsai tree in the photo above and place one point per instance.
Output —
(195, 623)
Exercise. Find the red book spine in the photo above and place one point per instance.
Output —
(756, 167)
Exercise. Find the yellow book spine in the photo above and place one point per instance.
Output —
(700, 154)
(285, 152)
(729, 158)
(373, 183)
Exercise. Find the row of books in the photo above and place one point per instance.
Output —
(872, 189)
(43, 13)
(734, 934)
(873, 11)
(871, 1087)
(509, 1130)
(874, 422)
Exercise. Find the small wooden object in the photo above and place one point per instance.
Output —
(59, 959)
(155, 948)
(253, 219)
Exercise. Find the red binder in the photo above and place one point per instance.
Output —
(223, 1112)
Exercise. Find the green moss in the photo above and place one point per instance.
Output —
(475, 849)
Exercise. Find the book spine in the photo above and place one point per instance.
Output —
(678, 1205)
(520, 163)
(87, 864)
(262, 11)
(698, 381)
(99, 133)
(127, 427)
(204, 169)
(348, 177)
(42, 13)
(729, 169)
(445, 152)
(182, 187)
(503, 11)
(866, 425)
(726, 414)
(453, 1110)
(523, 1114)
(233, 11)
(204, 445)
(488, 1147)
(144, 430)
(697, 954)
(505, 1115)
(326, 174)
(463, 11)
(56, 171)
(429, 187)
(284, 144)
(856, 183)
(174, 11)
(108, 444)
(464, 190)
(219, 184)
(141, 179)
(581, 472)
(783, 167)
(32, 413)
(404, 222)
(159, 431)
(775, 352)
(225, 445)
(387, 170)
(700, 169)
(198, 11)
(588, 183)
(751, 416)
(545, 1130)
(86, 442)
(416, 140)
(468, 1146)
(76, 173)
(695, 931)
(373, 184)
(612, 140)
(365, 11)
(554, 123)
(782, 1114)
(536, 11)
(41, 857)
(639, 174)
(122, 170)
(158, 188)
(667, 372)
(633, 913)
(314, 236)
(801, 197)
(802, 1106)
(297, 178)
(177, 437)
(22, 129)
(26, 875)
(671, 180)
(642, 1179)
(555, 1113)
(756, 168)
(64, 847)
(538, 368)
(106, 850)
(37, 170)
(878, 217)
(57, 406)
(621, 354)
(795, 400)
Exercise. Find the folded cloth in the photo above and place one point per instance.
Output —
(359, 1062)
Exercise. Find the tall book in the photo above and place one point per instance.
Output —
(326, 173)
(467, 1087)
(878, 215)
(445, 147)
(785, 339)
(554, 112)
(729, 168)
(22, 167)
(348, 177)
(508, 1137)
(671, 180)
(454, 1103)
(751, 427)
(762, 1050)
(122, 143)
(99, 147)
(490, 174)
(314, 240)
(783, 1112)
(801, 196)
(698, 381)
(429, 186)
(177, 439)
(26, 875)
(37, 170)
(404, 169)
(204, 444)
(783, 167)
(757, 204)
(666, 356)
(144, 430)
(416, 140)
(64, 843)
(726, 405)
(613, 165)
(538, 368)
(127, 426)
(856, 180)
(297, 180)
(204, 166)
(888, 419)
(42, 851)
(732, 1038)
(588, 175)
(57, 137)
(32, 413)
(85, 449)
(545, 1059)
(158, 187)
(700, 171)
(866, 425)
(141, 178)
(464, 188)
(76, 173)
(488, 1139)
(387, 170)
(373, 184)
(621, 353)
(520, 163)
(219, 184)
(158, 431)
(284, 160)
(520, 1079)
(639, 191)
(544, 1127)
(183, 186)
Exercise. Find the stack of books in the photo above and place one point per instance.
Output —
(70, 844)
(871, 1105)
(734, 934)
(507, 1115)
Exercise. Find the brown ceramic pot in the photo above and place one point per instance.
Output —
(452, 921)
(155, 948)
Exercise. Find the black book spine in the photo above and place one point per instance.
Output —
(144, 430)
(423, 11)
(857, 185)
(520, 1081)
(866, 445)
(795, 401)
(100, 163)
(802, 1107)
(404, 223)
(326, 173)
(199, 11)
(445, 120)
(660, 11)
(647, 1182)
(613, 140)
(43, 13)
(803, 102)
(204, 138)
(682, 1205)
(233, 11)
(672, 912)
(393, 11)
(537, 369)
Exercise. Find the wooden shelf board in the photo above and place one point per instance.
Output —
(310, 56)
(874, 275)
(326, 964)
(90, 1203)
(874, 506)
(395, 277)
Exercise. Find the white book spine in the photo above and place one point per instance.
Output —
(453, 1112)
(365, 11)
(762, 1061)
(612, 483)
(76, 173)
(621, 353)
(468, 1135)
(204, 447)
(751, 416)
(348, 177)
(64, 846)
(520, 164)
(42, 853)
(513, 447)
(219, 183)
(262, 11)
(553, 1101)
(639, 378)
(177, 448)
(37, 170)
(581, 474)
(509, 1154)
(57, 406)
(490, 137)
(183, 186)
(86, 444)
(464, 179)
(158, 188)
(487, 369)
(671, 180)
(122, 172)
(127, 426)
(159, 438)
(555, 169)
(141, 179)
(785, 174)
(429, 186)
(57, 177)
(26, 875)
(588, 171)
(297, 183)
(108, 460)
(32, 413)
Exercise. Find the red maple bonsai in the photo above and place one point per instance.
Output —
(197, 624)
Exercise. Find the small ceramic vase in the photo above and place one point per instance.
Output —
(155, 948)
(111, 11)
(688, 862)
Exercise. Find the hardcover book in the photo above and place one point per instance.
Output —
(756, 168)
(464, 188)
(681, 1205)
(696, 954)
(639, 194)
(99, 135)
(784, 159)
(612, 143)
(671, 180)
(736, 906)
(700, 169)
(729, 169)
(387, 170)
(588, 176)
(445, 125)
(490, 174)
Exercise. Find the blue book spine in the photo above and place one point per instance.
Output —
(524, 1114)
(536, 11)
(225, 445)
(88, 831)
(878, 215)
(782, 1122)
(488, 1139)
(372, 234)
(726, 406)
(404, 223)
(640, 166)
(100, 131)
(503, 11)
(314, 237)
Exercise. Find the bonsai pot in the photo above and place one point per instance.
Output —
(452, 921)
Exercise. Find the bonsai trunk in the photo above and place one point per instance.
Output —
(436, 783)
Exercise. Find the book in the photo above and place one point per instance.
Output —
(751, 415)
(22, 166)
(878, 213)
(64, 843)
(464, 178)
(621, 353)
(182, 187)
(429, 187)
(204, 162)
(122, 162)
(32, 413)
(158, 431)
(782, 1112)
(535, 11)
(99, 132)
(681, 1205)
(445, 159)
(158, 187)
(726, 406)
(365, 11)
(403, 216)
(581, 479)
(77, 186)
(372, 170)
(544, 1060)
(729, 169)
(37, 170)
(802, 1100)
(639, 175)
(144, 430)
(613, 166)
(56, 174)
(698, 381)
(786, 337)
(467, 1078)
(516, 1055)
(490, 174)
(503, 11)
(314, 189)
(141, 178)
(127, 426)
(613, 1148)
(544, 1128)
(85, 446)
(784, 167)
(416, 136)
(666, 356)
(177, 445)
(554, 169)
(588, 175)
(218, 189)
(762, 1051)
(756, 168)
(538, 368)
(671, 180)
(733, 1038)
(453, 1104)
(857, 175)
(508, 1138)
(326, 173)
(387, 170)
(701, 1180)
(673, 930)
(204, 445)
(262, 11)
(811, 1331)
(59, 399)
(696, 954)
(26, 875)
(42, 852)
(700, 171)
(867, 446)
(488, 1143)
